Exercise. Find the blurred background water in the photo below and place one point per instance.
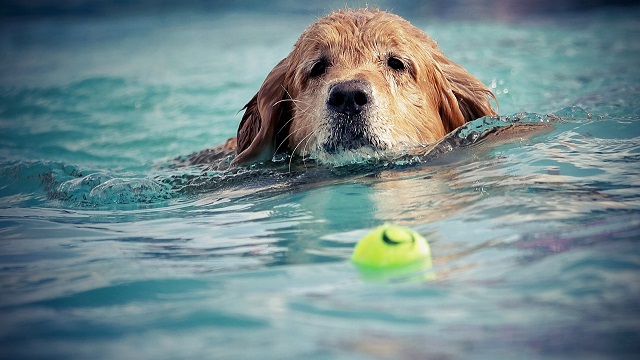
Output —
(534, 242)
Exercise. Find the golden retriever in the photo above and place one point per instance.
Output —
(358, 82)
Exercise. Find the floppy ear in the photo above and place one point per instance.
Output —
(262, 119)
(464, 97)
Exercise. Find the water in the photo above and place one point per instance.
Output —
(109, 253)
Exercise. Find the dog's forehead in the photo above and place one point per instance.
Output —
(370, 30)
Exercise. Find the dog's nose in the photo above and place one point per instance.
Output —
(349, 97)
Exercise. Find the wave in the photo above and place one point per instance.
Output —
(46, 182)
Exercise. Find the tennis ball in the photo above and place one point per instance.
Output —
(390, 246)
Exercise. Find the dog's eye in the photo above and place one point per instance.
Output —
(395, 63)
(319, 68)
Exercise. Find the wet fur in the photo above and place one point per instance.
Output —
(418, 104)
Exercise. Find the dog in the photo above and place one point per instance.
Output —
(356, 82)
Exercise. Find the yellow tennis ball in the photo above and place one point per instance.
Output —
(391, 246)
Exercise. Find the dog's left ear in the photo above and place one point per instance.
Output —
(464, 97)
(263, 118)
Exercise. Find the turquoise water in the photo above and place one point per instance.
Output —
(106, 252)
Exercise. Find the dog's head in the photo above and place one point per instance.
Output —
(357, 81)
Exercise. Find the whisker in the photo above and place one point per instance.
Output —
(292, 133)
(304, 148)
(308, 139)
(294, 101)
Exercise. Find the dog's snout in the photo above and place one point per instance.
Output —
(349, 97)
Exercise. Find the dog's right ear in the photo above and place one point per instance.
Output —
(261, 122)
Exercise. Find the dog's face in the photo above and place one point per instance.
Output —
(359, 81)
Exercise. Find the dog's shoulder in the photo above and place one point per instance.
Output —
(218, 156)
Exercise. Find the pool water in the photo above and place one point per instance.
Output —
(108, 252)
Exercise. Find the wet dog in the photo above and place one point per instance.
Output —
(356, 82)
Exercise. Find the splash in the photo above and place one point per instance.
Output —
(77, 187)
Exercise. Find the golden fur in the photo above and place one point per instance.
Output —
(400, 89)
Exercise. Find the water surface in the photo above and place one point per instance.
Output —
(106, 252)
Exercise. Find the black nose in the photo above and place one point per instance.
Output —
(349, 97)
